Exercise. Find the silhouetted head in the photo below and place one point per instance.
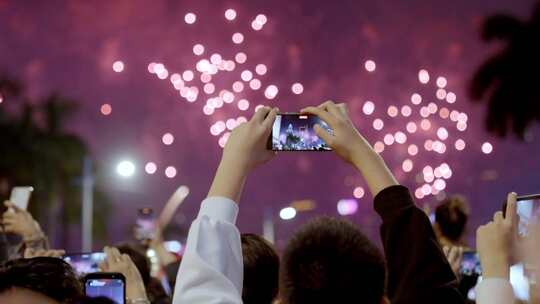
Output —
(46, 276)
(451, 217)
(330, 261)
(261, 269)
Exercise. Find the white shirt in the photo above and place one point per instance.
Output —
(212, 268)
(494, 291)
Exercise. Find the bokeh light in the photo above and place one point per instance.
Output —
(190, 18)
(167, 139)
(255, 84)
(368, 107)
(287, 213)
(230, 14)
(459, 144)
(423, 76)
(198, 49)
(370, 65)
(150, 168)
(441, 82)
(261, 69)
(487, 148)
(125, 168)
(118, 66)
(170, 172)
(237, 38)
(297, 88)
(378, 124)
(243, 104)
(271, 92)
(347, 206)
(359, 192)
(106, 109)
(407, 165)
(240, 57)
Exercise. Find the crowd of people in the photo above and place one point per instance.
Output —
(327, 260)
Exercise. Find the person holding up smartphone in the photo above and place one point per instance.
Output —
(211, 269)
(494, 242)
(115, 262)
(20, 222)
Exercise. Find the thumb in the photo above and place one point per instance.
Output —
(327, 137)
(11, 205)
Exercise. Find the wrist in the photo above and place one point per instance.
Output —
(496, 267)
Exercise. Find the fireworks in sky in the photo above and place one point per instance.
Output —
(432, 127)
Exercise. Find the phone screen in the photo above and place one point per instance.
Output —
(85, 263)
(294, 132)
(470, 264)
(145, 228)
(528, 211)
(112, 288)
(20, 196)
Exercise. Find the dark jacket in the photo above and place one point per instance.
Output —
(418, 271)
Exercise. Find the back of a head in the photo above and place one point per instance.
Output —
(330, 261)
(261, 270)
(451, 216)
(48, 276)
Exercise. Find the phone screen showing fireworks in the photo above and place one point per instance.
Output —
(470, 264)
(108, 285)
(294, 132)
(528, 211)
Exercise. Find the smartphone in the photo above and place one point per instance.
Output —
(110, 285)
(20, 196)
(294, 132)
(85, 263)
(528, 211)
(145, 226)
(470, 264)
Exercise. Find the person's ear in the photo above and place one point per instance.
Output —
(385, 300)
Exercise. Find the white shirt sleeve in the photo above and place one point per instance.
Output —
(212, 268)
(494, 291)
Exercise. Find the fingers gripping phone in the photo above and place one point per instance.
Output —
(110, 285)
(85, 263)
(295, 132)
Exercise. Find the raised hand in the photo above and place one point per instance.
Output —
(494, 241)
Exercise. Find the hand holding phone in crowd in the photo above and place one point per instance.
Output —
(494, 241)
(122, 263)
(21, 222)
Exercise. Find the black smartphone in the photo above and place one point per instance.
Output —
(470, 264)
(294, 132)
(528, 212)
(85, 263)
(145, 225)
(110, 285)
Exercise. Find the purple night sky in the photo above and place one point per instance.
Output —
(70, 46)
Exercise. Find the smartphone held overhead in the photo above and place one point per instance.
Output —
(20, 196)
(295, 132)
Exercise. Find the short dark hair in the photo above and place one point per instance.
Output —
(261, 270)
(331, 261)
(451, 215)
(49, 276)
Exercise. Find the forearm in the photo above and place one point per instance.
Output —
(372, 167)
(228, 181)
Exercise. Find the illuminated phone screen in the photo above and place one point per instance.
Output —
(113, 289)
(85, 263)
(294, 132)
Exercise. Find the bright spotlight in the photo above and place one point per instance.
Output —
(125, 168)
(287, 213)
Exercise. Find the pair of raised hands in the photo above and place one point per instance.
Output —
(246, 147)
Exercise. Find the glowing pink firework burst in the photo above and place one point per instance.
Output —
(431, 127)
(236, 76)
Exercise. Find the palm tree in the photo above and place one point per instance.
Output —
(40, 153)
(508, 80)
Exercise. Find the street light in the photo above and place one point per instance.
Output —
(125, 168)
(287, 213)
